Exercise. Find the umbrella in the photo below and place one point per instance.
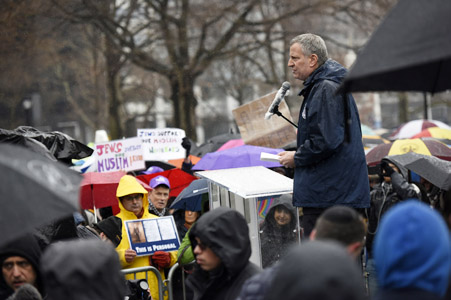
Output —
(231, 144)
(178, 179)
(191, 197)
(409, 51)
(214, 143)
(241, 156)
(178, 162)
(436, 171)
(410, 129)
(435, 132)
(34, 191)
(427, 147)
(98, 190)
(371, 141)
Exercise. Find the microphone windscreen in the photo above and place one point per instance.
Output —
(27, 292)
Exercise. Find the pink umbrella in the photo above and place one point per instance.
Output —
(409, 129)
(231, 144)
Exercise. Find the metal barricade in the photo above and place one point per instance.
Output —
(162, 285)
(170, 281)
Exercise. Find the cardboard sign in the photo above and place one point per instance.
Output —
(117, 155)
(255, 130)
(162, 144)
(149, 235)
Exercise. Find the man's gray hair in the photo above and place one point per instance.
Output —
(312, 44)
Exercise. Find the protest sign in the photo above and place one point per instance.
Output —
(162, 143)
(117, 155)
(149, 235)
(255, 130)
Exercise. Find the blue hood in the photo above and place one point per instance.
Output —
(412, 249)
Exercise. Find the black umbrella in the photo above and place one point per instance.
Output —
(435, 170)
(191, 197)
(214, 143)
(409, 51)
(33, 191)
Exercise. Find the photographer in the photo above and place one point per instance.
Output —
(392, 189)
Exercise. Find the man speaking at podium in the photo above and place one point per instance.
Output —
(329, 163)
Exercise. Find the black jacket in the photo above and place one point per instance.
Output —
(226, 233)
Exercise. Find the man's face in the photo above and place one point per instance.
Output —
(282, 216)
(18, 271)
(133, 203)
(301, 66)
(206, 258)
(159, 196)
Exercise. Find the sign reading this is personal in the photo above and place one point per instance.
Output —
(162, 143)
(149, 235)
(255, 130)
(117, 155)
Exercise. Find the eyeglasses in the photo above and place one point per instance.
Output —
(130, 198)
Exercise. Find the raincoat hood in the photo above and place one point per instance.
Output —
(412, 249)
(225, 231)
(317, 270)
(330, 70)
(26, 247)
(285, 201)
(82, 270)
(129, 185)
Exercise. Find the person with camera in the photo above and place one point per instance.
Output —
(392, 189)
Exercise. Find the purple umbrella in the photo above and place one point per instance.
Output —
(238, 157)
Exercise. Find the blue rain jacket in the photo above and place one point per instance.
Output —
(330, 165)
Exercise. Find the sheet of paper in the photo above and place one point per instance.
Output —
(166, 229)
(152, 232)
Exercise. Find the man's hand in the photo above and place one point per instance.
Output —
(287, 158)
(130, 255)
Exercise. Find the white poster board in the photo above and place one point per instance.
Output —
(149, 235)
(162, 143)
(117, 155)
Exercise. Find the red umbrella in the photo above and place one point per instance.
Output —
(409, 129)
(178, 179)
(98, 190)
(421, 146)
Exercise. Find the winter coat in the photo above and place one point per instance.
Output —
(27, 247)
(129, 185)
(317, 270)
(82, 269)
(276, 240)
(330, 165)
(412, 251)
(256, 287)
(226, 233)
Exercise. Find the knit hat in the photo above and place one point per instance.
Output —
(159, 180)
(112, 228)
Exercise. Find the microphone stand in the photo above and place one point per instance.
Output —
(277, 112)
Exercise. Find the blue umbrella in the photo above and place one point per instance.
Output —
(191, 197)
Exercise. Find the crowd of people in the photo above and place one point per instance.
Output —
(336, 237)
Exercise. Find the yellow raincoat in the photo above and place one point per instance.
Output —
(129, 185)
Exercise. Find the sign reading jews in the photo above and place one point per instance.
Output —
(149, 235)
(255, 130)
(162, 143)
(119, 155)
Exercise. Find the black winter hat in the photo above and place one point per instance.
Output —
(112, 227)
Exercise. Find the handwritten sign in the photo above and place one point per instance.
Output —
(117, 155)
(255, 130)
(149, 235)
(162, 144)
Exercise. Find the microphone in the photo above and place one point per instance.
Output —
(277, 99)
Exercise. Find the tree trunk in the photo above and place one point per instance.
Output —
(184, 103)
(403, 106)
(113, 66)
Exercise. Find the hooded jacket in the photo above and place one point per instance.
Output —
(412, 253)
(82, 269)
(316, 270)
(276, 240)
(26, 247)
(226, 233)
(330, 165)
(129, 185)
